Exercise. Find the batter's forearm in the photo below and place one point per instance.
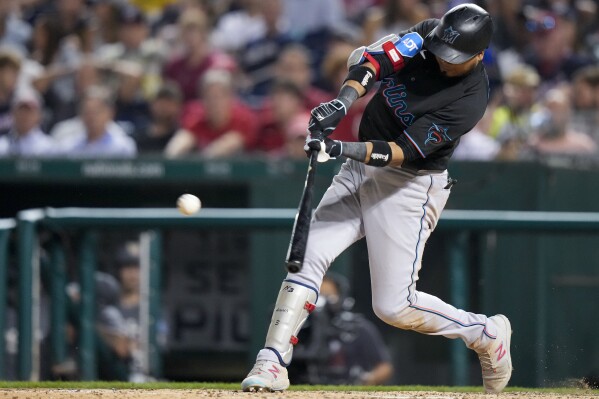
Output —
(362, 152)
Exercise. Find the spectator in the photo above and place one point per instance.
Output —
(196, 57)
(96, 137)
(62, 45)
(510, 122)
(258, 57)
(111, 340)
(165, 114)
(552, 134)
(25, 138)
(132, 67)
(127, 260)
(552, 46)
(342, 347)
(477, 145)
(129, 305)
(393, 16)
(14, 32)
(217, 126)
(236, 28)
(294, 65)
(295, 136)
(313, 17)
(107, 15)
(10, 66)
(284, 103)
(585, 101)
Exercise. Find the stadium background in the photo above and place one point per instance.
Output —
(208, 286)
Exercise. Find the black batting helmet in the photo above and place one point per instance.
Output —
(463, 32)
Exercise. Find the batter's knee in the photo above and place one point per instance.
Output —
(392, 315)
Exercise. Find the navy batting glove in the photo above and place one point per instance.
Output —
(327, 116)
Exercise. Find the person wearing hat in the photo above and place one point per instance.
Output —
(132, 65)
(25, 138)
(510, 121)
(392, 189)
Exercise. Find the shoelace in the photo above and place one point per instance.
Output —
(258, 367)
(486, 361)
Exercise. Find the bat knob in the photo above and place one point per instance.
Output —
(293, 266)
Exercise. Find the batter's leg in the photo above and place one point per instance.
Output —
(397, 228)
(335, 225)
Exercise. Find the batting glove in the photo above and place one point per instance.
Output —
(327, 148)
(327, 116)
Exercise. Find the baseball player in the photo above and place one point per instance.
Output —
(393, 188)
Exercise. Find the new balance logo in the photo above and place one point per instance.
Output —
(501, 351)
(379, 156)
(274, 371)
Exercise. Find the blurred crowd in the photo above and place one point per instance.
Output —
(123, 78)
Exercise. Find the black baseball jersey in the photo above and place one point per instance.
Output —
(420, 109)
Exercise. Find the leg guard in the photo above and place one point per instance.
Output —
(294, 303)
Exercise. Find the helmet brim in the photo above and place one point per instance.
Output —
(439, 48)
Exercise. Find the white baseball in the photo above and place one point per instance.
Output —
(188, 204)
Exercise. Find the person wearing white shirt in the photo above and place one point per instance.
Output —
(25, 138)
(96, 113)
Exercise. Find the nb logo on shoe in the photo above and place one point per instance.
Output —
(274, 371)
(288, 288)
(501, 351)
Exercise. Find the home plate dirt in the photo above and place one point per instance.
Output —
(45, 393)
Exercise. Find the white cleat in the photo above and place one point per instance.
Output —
(496, 362)
(266, 376)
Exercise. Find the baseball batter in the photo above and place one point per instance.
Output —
(393, 188)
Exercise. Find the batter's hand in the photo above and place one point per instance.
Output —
(327, 148)
(327, 116)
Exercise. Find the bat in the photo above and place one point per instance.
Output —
(301, 226)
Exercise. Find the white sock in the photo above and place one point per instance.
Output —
(267, 354)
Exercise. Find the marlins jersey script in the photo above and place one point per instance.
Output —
(424, 112)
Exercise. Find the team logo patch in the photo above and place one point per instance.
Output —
(449, 35)
(437, 134)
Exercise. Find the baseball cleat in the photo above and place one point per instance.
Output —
(266, 376)
(496, 362)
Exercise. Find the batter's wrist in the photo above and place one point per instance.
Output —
(354, 150)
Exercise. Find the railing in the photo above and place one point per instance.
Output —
(88, 220)
(6, 227)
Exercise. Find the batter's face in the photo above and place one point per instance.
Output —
(455, 70)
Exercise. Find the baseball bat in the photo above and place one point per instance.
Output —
(301, 225)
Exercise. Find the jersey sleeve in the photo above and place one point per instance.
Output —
(439, 130)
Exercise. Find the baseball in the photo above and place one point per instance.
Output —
(188, 204)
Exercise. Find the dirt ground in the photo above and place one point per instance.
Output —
(224, 394)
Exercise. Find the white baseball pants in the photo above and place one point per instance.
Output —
(396, 210)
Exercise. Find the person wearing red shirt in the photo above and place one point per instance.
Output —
(293, 64)
(219, 125)
(284, 102)
(187, 67)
